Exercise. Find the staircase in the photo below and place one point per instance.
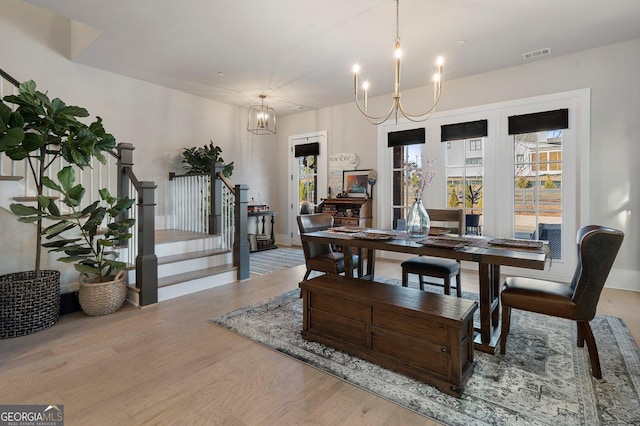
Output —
(191, 261)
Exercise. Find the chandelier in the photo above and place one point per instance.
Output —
(262, 119)
(396, 106)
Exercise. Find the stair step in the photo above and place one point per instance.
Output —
(11, 178)
(193, 275)
(174, 258)
(33, 199)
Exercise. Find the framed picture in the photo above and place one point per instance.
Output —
(356, 183)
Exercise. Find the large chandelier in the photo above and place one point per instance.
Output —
(396, 107)
(262, 119)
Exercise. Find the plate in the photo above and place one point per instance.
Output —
(371, 235)
(452, 243)
(511, 242)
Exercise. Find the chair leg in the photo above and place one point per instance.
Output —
(506, 320)
(421, 280)
(579, 335)
(306, 275)
(447, 285)
(593, 349)
(458, 286)
(405, 277)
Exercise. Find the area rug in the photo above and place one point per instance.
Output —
(264, 262)
(544, 379)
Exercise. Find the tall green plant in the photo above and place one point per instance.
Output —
(40, 131)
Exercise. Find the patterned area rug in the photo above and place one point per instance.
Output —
(544, 379)
(264, 262)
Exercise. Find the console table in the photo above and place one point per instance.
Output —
(264, 241)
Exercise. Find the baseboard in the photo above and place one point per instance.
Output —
(69, 303)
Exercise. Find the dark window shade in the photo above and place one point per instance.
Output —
(539, 121)
(306, 149)
(406, 137)
(460, 131)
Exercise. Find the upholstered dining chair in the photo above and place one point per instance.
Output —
(321, 257)
(453, 221)
(597, 249)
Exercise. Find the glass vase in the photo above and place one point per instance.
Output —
(418, 222)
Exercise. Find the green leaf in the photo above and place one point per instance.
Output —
(28, 87)
(58, 228)
(22, 210)
(32, 141)
(60, 243)
(43, 201)
(67, 177)
(12, 138)
(74, 195)
(53, 209)
(49, 183)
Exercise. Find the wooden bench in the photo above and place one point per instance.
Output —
(422, 335)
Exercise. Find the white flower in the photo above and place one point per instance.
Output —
(418, 178)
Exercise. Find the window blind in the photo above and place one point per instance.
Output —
(539, 121)
(307, 149)
(406, 137)
(459, 131)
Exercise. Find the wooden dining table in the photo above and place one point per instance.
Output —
(489, 253)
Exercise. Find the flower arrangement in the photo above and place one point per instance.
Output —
(418, 177)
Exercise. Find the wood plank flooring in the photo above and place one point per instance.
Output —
(166, 364)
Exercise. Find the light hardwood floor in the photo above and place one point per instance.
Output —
(166, 364)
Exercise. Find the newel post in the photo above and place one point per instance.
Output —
(240, 241)
(146, 261)
(215, 197)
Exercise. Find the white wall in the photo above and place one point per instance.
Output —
(611, 73)
(158, 121)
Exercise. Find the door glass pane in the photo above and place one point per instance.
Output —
(537, 203)
(465, 180)
(307, 181)
(402, 196)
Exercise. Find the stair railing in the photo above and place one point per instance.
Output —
(209, 203)
(118, 177)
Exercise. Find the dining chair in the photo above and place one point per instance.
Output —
(321, 257)
(577, 301)
(451, 220)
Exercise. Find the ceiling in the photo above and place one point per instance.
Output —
(300, 52)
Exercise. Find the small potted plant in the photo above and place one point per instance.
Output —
(199, 160)
(99, 229)
(473, 194)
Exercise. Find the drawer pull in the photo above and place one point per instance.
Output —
(445, 350)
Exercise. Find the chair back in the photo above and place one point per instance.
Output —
(312, 223)
(451, 219)
(597, 249)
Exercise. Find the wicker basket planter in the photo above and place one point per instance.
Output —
(102, 298)
(28, 302)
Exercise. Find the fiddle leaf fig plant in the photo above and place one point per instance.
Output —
(198, 160)
(40, 131)
(90, 248)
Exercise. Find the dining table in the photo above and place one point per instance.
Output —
(490, 253)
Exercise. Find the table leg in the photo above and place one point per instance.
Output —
(348, 261)
(489, 332)
(371, 263)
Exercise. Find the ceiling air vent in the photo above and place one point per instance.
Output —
(536, 53)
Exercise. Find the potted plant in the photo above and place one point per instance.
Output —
(473, 194)
(39, 131)
(199, 160)
(92, 248)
